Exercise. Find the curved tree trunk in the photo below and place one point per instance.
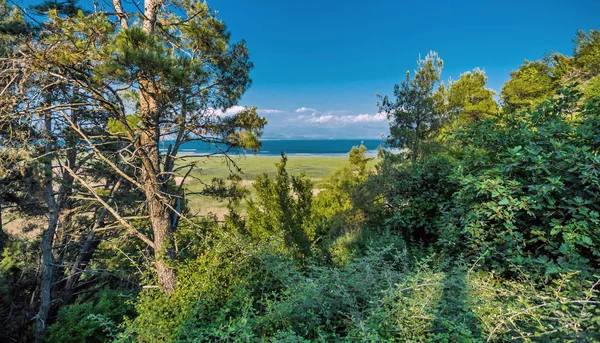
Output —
(2, 234)
(163, 241)
(47, 261)
(150, 113)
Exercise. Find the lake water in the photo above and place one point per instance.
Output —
(326, 147)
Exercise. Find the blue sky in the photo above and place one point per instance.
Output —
(320, 64)
(334, 56)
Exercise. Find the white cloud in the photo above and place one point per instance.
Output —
(269, 111)
(319, 119)
(346, 119)
(229, 112)
(365, 118)
(337, 112)
(305, 109)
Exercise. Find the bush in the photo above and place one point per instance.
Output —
(238, 292)
(282, 208)
(422, 191)
(529, 191)
(565, 309)
(95, 320)
(205, 284)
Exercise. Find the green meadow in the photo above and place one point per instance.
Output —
(316, 167)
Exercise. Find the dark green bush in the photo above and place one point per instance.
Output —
(96, 320)
(529, 190)
(422, 192)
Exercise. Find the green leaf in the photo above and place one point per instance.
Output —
(503, 202)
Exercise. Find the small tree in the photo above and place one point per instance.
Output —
(528, 86)
(586, 53)
(282, 208)
(415, 114)
(469, 100)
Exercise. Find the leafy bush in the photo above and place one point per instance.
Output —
(565, 309)
(347, 201)
(222, 263)
(530, 188)
(96, 320)
(238, 292)
(422, 191)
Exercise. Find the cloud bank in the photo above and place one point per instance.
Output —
(346, 119)
(311, 123)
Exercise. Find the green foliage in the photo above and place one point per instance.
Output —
(282, 210)
(528, 86)
(586, 54)
(529, 187)
(116, 128)
(348, 201)
(416, 112)
(357, 158)
(469, 100)
(213, 286)
(422, 192)
(425, 306)
(330, 301)
(591, 88)
(65, 7)
(95, 320)
(385, 293)
(235, 291)
(339, 192)
(565, 309)
(13, 27)
(18, 257)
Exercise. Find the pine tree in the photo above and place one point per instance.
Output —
(416, 113)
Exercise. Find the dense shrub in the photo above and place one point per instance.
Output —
(348, 201)
(422, 192)
(221, 264)
(564, 309)
(95, 320)
(529, 190)
(235, 292)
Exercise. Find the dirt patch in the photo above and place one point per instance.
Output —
(29, 228)
(246, 183)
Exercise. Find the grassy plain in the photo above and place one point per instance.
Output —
(315, 167)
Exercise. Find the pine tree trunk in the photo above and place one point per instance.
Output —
(64, 201)
(2, 234)
(415, 146)
(46, 263)
(163, 241)
(152, 180)
(153, 185)
(158, 210)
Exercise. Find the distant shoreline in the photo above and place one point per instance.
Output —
(345, 155)
(327, 148)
